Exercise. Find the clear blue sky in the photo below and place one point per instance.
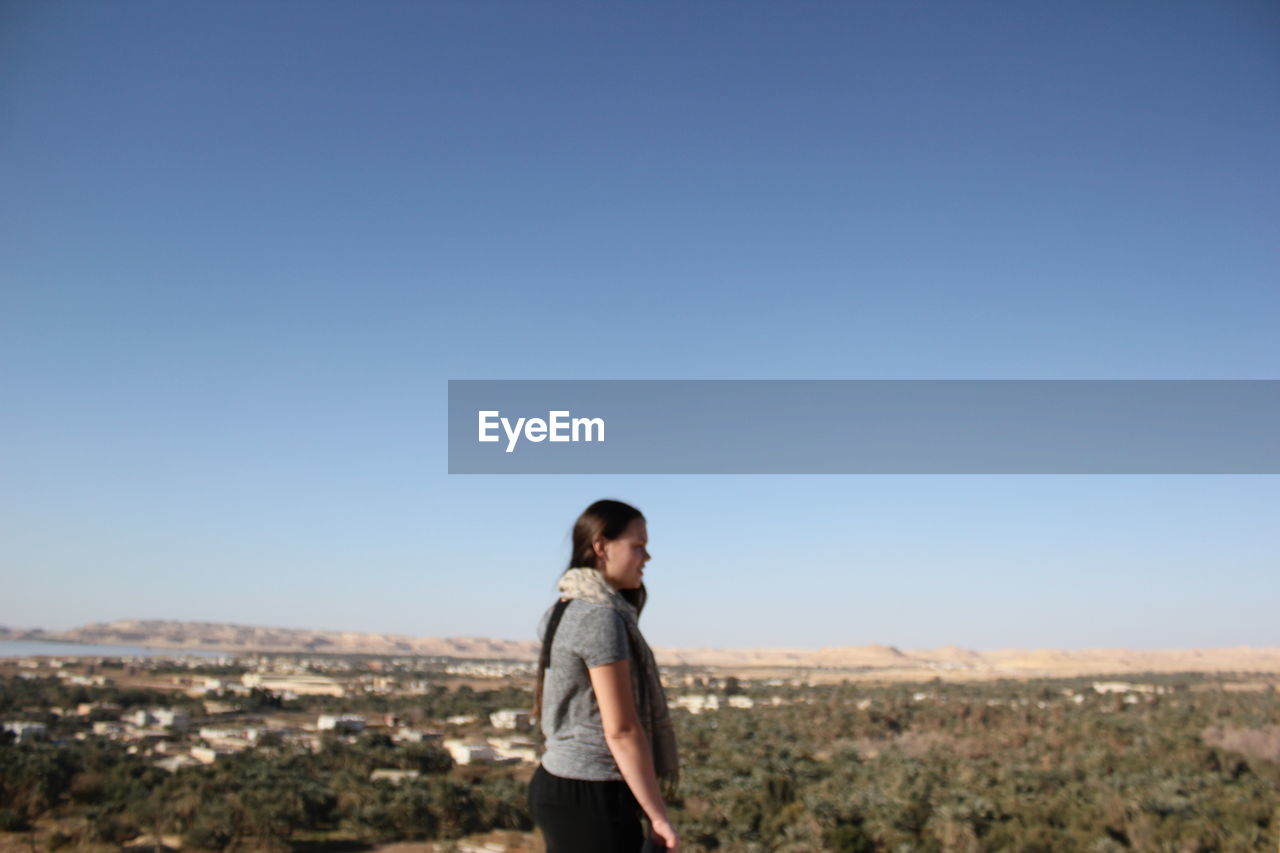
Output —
(243, 246)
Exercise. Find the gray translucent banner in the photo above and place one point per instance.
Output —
(864, 427)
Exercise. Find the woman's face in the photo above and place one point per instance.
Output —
(622, 560)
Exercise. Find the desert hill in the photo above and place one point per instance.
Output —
(873, 660)
(217, 636)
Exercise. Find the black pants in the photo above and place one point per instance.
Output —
(585, 817)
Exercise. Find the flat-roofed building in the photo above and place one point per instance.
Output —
(25, 731)
(174, 763)
(510, 718)
(469, 752)
(407, 735)
(348, 723)
(208, 755)
(515, 749)
(300, 685)
(175, 718)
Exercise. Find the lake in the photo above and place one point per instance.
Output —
(30, 648)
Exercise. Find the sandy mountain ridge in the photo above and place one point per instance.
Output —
(217, 636)
(880, 659)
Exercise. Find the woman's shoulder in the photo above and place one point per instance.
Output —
(591, 616)
(580, 614)
(594, 631)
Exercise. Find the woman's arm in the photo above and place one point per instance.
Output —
(627, 742)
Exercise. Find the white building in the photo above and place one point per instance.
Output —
(23, 731)
(1125, 687)
(229, 739)
(696, 704)
(207, 754)
(510, 718)
(213, 733)
(515, 749)
(174, 718)
(175, 763)
(407, 735)
(469, 752)
(299, 685)
(393, 776)
(85, 680)
(346, 723)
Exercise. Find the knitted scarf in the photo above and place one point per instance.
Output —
(651, 700)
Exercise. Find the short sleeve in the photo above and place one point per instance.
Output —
(599, 636)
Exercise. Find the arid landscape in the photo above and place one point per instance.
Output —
(305, 741)
(852, 663)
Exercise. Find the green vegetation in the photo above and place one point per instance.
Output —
(1042, 766)
(438, 703)
(260, 798)
(967, 768)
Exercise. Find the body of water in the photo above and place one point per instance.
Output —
(31, 648)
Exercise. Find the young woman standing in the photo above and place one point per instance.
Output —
(610, 745)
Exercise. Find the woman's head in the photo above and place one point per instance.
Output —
(611, 537)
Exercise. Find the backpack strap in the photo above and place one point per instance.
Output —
(544, 660)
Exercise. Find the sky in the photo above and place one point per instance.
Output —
(244, 246)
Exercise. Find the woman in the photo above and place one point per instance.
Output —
(599, 700)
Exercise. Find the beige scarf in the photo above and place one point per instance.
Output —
(651, 700)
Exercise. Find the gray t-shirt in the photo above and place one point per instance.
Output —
(589, 635)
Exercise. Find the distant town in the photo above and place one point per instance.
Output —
(216, 725)
(213, 723)
(277, 751)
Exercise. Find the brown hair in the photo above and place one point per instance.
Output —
(606, 519)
